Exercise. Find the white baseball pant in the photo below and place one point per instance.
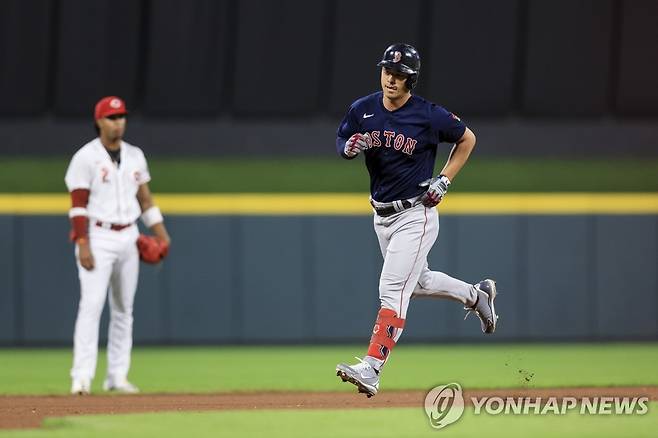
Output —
(116, 268)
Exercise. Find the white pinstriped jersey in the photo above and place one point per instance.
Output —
(112, 188)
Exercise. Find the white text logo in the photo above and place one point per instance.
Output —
(444, 405)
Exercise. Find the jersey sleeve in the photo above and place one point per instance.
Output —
(144, 175)
(79, 174)
(348, 127)
(446, 127)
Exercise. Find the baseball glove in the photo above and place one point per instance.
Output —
(151, 249)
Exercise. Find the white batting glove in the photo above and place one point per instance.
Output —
(437, 189)
(357, 143)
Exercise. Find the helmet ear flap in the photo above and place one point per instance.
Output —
(411, 81)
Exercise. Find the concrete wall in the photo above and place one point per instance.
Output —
(294, 279)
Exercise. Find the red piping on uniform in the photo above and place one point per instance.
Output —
(412, 266)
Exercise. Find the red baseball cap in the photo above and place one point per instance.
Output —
(109, 105)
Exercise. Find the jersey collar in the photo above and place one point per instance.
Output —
(381, 103)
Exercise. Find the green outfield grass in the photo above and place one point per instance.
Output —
(210, 175)
(208, 369)
(410, 367)
(375, 423)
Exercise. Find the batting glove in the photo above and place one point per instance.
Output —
(437, 189)
(357, 143)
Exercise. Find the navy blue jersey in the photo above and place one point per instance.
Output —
(404, 142)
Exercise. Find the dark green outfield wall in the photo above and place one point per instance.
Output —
(307, 279)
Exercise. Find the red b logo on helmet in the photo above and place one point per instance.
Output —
(397, 56)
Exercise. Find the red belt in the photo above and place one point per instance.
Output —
(113, 227)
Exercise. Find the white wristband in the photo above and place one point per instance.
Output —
(77, 211)
(152, 216)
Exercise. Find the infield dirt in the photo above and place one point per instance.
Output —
(29, 411)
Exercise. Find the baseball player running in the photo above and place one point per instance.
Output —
(398, 133)
(108, 182)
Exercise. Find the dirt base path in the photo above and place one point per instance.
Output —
(29, 411)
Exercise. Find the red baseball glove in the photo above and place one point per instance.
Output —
(151, 249)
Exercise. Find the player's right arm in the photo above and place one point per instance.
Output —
(349, 141)
(78, 181)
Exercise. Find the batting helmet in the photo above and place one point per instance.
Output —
(402, 58)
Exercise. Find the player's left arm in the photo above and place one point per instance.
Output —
(151, 215)
(438, 187)
(459, 154)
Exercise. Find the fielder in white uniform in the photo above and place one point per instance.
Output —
(399, 133)
(108, 182)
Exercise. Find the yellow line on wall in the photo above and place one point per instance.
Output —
(357, 204)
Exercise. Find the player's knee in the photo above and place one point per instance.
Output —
(391, 282)
(424, 281)
(122, 318)
(122, 311)
(92, 304)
